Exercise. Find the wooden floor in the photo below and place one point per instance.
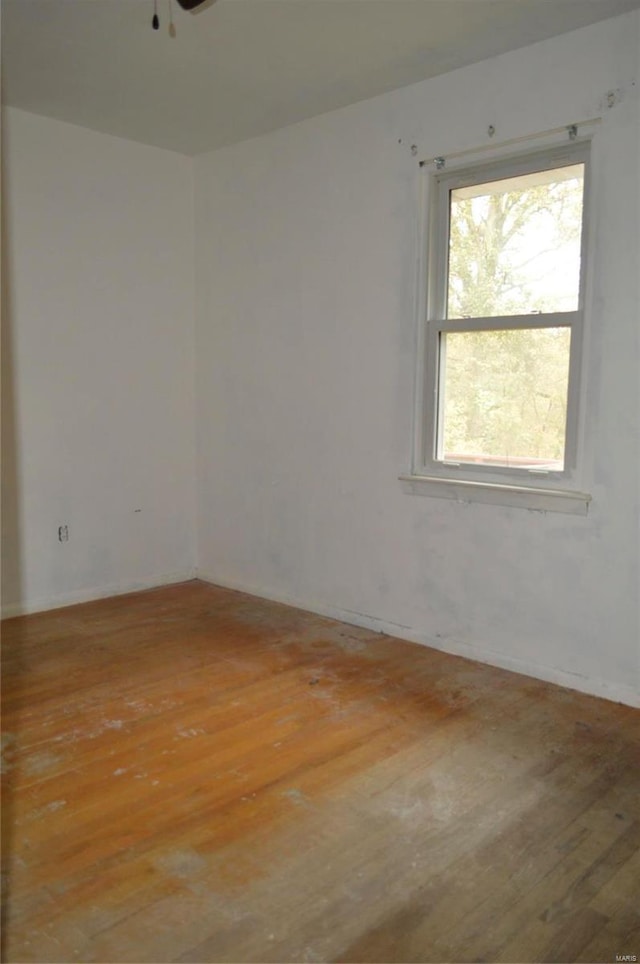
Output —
(197, 775)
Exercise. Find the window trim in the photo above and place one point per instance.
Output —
(476, 480)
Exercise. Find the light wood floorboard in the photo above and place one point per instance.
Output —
(193, 774)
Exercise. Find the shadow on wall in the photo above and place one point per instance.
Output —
(11, 579)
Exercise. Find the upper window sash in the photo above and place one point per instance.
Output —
(443, 183)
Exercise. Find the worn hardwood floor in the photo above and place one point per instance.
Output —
(193, 774)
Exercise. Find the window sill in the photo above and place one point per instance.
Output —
(491, 493)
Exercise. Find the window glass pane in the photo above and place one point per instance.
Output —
(514, 245)
(504, 397)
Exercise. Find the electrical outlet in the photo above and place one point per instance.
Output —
(63, 533)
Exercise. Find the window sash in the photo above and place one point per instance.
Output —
(434, 399)
(439, 220)
(551, 319)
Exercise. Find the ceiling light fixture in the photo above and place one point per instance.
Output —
(192, 6)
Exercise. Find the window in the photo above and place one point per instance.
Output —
(501, 347)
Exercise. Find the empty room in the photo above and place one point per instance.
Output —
(321, 480)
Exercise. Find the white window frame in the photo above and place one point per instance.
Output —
(513, 485)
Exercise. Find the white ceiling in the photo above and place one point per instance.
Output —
(243, 67)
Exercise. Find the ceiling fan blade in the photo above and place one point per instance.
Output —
(193, 5)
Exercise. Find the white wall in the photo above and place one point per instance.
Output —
(97, 363)
(305, 368)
